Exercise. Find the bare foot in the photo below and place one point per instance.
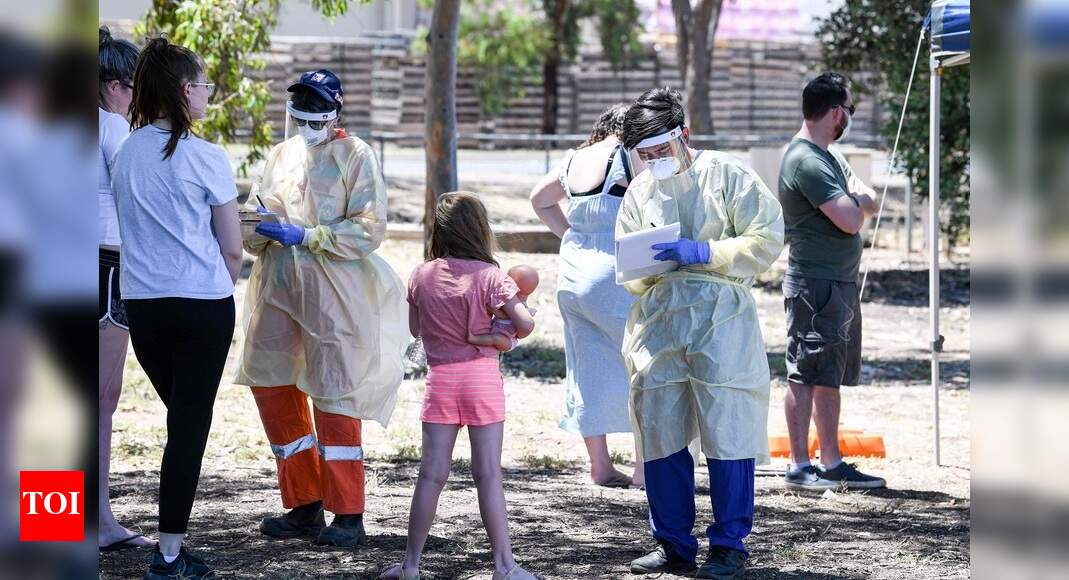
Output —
(397, 572)
(638, 478)
(114, 536)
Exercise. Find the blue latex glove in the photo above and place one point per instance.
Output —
(686, 252)
(285, 234)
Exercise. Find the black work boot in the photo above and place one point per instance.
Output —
(304, 520)
(723, 564)
(663, 559)
(345, 531)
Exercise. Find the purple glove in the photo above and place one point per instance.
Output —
(686, 252)
(285, 234)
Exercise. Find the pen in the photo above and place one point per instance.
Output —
(261, 201)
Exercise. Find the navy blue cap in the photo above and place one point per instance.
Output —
(325, 84)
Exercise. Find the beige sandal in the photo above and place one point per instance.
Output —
(516, 567)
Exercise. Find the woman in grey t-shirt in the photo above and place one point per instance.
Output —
(178, 220)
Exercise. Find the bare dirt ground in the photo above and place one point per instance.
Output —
(564, 527)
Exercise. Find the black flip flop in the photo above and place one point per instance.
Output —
(617, 481)
(124, 544)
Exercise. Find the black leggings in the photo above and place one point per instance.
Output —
(182, 344)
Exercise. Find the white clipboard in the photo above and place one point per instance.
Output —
(634, 257)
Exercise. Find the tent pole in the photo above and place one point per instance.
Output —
(908, 193)
(933, 243)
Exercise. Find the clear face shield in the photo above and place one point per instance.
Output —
(665, 155)
(314, 128)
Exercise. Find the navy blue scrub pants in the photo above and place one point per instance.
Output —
(670, 491)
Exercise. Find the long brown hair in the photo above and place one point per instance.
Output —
(611, 122)
(162, 71)
(461, 229)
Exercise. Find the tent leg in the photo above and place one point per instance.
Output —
(933, 246)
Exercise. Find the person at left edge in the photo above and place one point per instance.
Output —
(325, 317)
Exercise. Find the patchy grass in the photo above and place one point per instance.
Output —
(537, 360)
(546, 462)
(619, 457)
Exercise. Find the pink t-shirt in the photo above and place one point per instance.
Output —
(453, 296)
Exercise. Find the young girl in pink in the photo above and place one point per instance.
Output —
(452, 293)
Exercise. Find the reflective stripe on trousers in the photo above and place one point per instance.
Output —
(341, 452)
(293, 447)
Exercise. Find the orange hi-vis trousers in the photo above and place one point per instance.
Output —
(330, 468)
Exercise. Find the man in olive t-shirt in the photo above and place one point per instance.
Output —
(824, 208)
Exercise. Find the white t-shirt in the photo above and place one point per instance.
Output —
(165, 216)
(113, 129)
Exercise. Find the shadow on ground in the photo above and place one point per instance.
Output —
(561, 526)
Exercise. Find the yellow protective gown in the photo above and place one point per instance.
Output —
(693, 347)
(330, 315)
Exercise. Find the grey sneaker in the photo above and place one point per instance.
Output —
(808, 478)
(847, 476)
(660, 560)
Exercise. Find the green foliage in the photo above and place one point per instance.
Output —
(506, 46)
(503, 46)
(617, 23)
(231, 36)
(881, 36)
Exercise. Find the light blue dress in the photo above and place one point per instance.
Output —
(594, 309)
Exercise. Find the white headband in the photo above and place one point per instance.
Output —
(659, 139)
(306, 116)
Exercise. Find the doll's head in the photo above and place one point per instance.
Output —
(526, 279)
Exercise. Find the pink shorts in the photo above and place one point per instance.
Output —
(470, 392)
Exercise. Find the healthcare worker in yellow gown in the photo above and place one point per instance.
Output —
(325, 318)
(693, 347)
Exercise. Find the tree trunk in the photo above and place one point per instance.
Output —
(440, 130)
(550, 100)
(695, 32)
(683, 13)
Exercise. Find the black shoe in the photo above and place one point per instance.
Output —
(185, 567)
(346, 531)
(723, 564)
(808, 478)
(305, 520)
(847, 476)
(660, 560)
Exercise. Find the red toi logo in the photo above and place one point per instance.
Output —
(51, 506)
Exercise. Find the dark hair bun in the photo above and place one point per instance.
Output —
(105, 36)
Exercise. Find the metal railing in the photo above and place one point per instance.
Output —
(555, 142)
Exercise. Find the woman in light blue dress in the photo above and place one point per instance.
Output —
(593, 179)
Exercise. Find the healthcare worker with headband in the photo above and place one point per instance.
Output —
(693, 346)
(325, 317)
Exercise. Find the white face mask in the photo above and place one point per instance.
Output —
(312, 137)
(663, 168)
(846, 130)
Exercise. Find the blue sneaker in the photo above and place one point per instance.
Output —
(847, 476)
